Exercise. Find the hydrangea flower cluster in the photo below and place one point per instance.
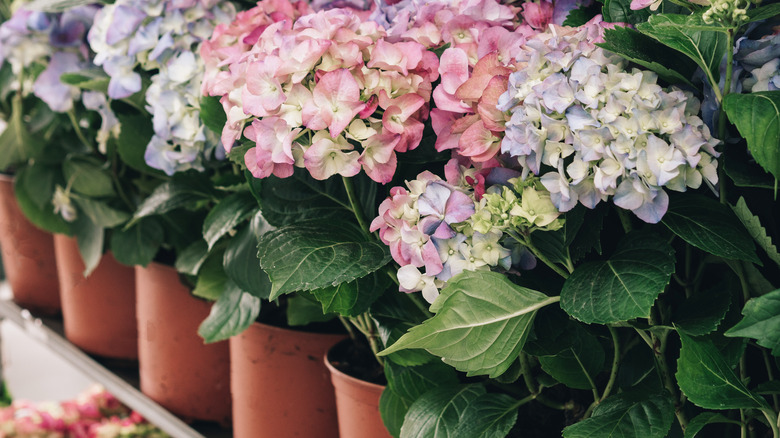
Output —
(54, 40)
(162, 36)
(93, 414)
(596, 130)
(760, 59)
(315, 89)
(447, 227)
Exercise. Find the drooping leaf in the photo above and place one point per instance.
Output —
(757, 117)
(708, 381)
(87, 178)
(242, 266)
(482, 309)
(190, 260)
(710, 226)
(647, 52)
(698, 422)
(212, 113)
(90, 238)
(488, 416)
(753, 225)
(298, 198)
(623, 287)
(139, 244)
(226, 215)
(438, 412)
(212, 279)
(761, 321)
(354, 297)
(684, 33)
(303, 311)
(312, 256)
(231, 314)
(578, 362)
(703, 312)
(100, 212)
(632, 414)
(26, 190)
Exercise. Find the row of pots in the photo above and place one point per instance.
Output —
(270, 381)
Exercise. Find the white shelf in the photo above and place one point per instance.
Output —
(122, 382)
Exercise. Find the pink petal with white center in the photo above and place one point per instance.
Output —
(325, 158)
(337, 98)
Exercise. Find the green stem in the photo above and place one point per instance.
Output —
(615, 363)
(773, 420)
(659, 348)
(771, 375)
(77, 130)
(422, 305)
(528, 244)
(348, 327)
(525, 368)
(523, 401)
(354, 203)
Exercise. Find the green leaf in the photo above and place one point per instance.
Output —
(299, 198)
(16, 143)
(135, 134)
(578, 362)
(482, 309)
(708, 381)
(168, 196)
(139, 244)
(623, 287)
(589, 236)
(619, 11)
(390, 331)
(231, 314)
(405, 385)
(740, 167)
(354, 297)
(56, 5)
(190, 260)
(763, 12)
(100, 212)
(226, 215)
(698, 422)
(94, 79)
(90, 239)
(243, 267)
(768, 388)
(27, 190)
(684, 33)
(236, 156)
(578, 17)
(88, 179)
(710, 226)
(647, 52)
(438, 412)
(703, 312)
(303, 311)
(757, 231)
(757, 117)
(212, 279)
(761, 321)
(633, 414)
(488, 416)
(212, 113)
(312, 256)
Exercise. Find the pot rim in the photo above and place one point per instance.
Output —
(353, 380)
(288, 330)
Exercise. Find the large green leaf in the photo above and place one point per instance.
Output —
(226, 215)
(757, 117)
(405, 385)
(764, 12)
(623, 287)
(619, 11)
(139, 244)
(312, 256)
(708, 381)
(212, 113)
(87, 178)
(16, 143)
(135, 134)
(26, 190)
(710, 226)
(703, 312)
(482, 310)
(354, 297)
(488, 416)
(212, 279)
(285, 201)
(90, 239)
(302, 311)
(647, 52)
(438, 412)
(633, 414)
(579, 360)
(231, 314)
(192, 257)
(698, 422)
(168, 196)
(100, 212)
(243, 267)
(753, 225)
(761, 321)
(394, 314)
(684, 33)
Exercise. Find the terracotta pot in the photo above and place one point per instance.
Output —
(178, 371)
(98, 311)
(280, 386)
(28, 256)
(358, 405)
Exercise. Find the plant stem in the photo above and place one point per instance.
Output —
(771, 375)
(354, 202)
(528, 244)
(773, 420)
(615, 363)
(77, 130)
(525, 368)
(659, 348)
(348, 327)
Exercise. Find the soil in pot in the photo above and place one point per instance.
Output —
(180, 372)
(98, 311)
(357, 399)
(28, 256)
(280, 386)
